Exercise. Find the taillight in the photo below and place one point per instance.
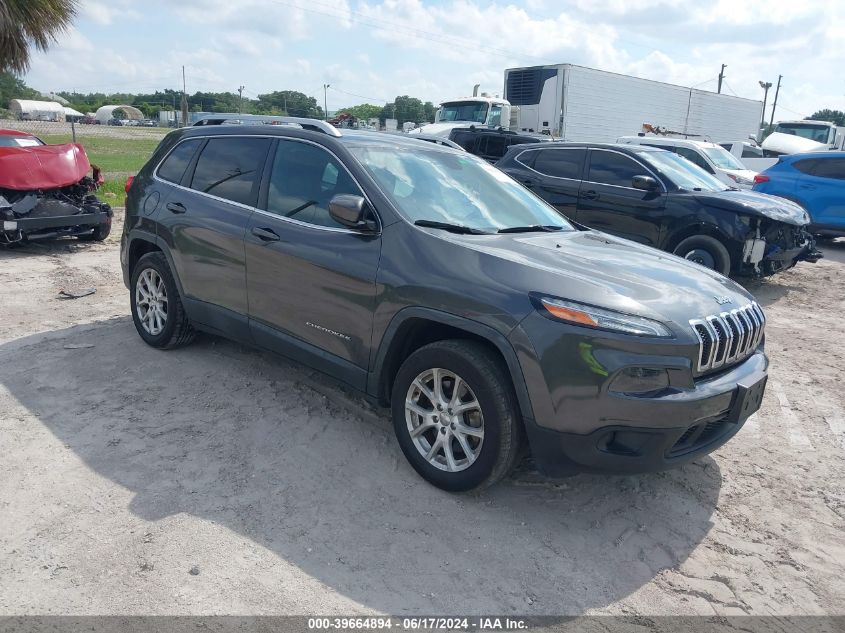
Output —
(128, 183)
(761, 178)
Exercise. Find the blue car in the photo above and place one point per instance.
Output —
(816, 181)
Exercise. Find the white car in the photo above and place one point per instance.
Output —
(712, 158)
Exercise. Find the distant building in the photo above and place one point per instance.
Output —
(37, 110)
(106, 112)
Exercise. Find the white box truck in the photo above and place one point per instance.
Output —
(584, 104)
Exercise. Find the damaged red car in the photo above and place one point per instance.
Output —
(47, 191)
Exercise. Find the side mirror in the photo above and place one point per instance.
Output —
(349, 211)
(645, 183)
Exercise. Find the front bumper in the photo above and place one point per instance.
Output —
(50, 226)
(582, 425)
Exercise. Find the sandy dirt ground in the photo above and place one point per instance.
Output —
(216, 479)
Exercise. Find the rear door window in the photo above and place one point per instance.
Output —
(830, 168)
(230, 168)
(561, 163)
(610, 168)
(173, 167)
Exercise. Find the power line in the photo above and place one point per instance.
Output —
(729, 88)
(352, 94)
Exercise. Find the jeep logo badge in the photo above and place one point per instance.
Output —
(722, 300)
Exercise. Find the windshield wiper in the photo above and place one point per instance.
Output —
(452, 228)
(533, 228)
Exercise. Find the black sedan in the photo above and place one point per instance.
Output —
(660, 199)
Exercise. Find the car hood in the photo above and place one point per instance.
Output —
(748, 174)
(791, 144)
(42, 167)
(606, 271)
(755, 203)
(442, 129)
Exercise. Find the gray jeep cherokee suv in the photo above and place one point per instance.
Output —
(433, 282)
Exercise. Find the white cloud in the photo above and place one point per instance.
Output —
(435, 51)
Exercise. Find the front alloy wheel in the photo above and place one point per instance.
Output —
(444, 420)
(151, 301)
(456, 415)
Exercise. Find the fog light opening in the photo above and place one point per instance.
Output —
(640, 381)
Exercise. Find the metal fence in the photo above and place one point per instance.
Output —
(53, 131)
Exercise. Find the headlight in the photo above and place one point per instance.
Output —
(740, 180)
(600, 318)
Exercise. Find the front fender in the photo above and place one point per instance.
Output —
(377, 385)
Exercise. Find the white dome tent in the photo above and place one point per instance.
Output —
(106, 112)
(35, 110)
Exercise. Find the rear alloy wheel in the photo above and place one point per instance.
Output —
(455, 415)
(706, 251)
(157, 309)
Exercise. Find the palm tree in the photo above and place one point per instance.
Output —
(28, 23)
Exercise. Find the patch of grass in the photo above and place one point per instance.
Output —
(113, 154)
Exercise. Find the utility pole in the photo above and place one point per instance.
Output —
(765, 85)
(775, 103)
(184, 100)
(325, 100)
(240, 97)
(721, 77)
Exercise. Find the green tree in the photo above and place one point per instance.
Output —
(408, 109)
(30, 23)
(429, 110)
(289, 102)
(834, 116)
(12, 87)
(362, 111)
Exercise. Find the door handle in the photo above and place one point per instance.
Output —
(808, 186)
(590, 195)
(267, 235)
(176, 207)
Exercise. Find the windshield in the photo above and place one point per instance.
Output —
(722, 158)
(813, 132)
(19, 141)
(683, 173)
(442, 186)
(475, 111)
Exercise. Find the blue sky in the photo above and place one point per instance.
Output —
(373, 50)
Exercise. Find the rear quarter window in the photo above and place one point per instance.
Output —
(805, 166)
(174, 166)
(830, 168)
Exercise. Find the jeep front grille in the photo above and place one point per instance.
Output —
(727, 337)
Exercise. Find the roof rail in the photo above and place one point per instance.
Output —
(315, 125)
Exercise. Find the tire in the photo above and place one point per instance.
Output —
(171, 328)
(707, 251)
(100, 233)
(484, 380)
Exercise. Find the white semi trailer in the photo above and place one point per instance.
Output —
(584, 104)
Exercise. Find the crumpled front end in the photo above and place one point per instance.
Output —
(771, 246)
(57, 207)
